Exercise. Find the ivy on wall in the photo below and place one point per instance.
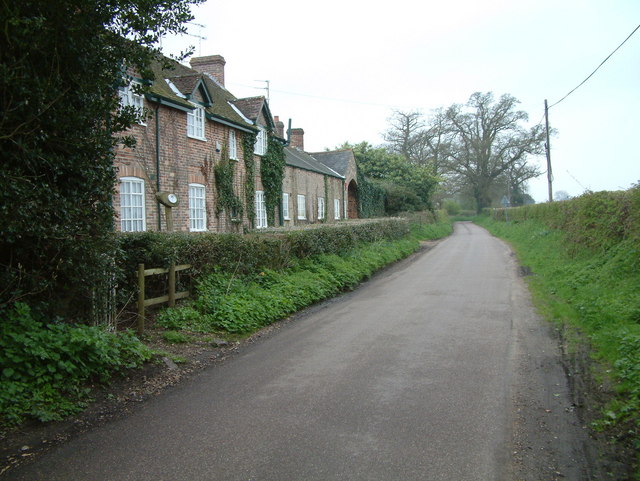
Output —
(371, 198)
(327, 202)
(248, 142)
(224, 173)
(272, 173)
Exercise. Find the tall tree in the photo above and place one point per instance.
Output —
(402, 135)
(61, 63)
(488, 141)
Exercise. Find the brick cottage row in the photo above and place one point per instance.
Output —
(191, 123)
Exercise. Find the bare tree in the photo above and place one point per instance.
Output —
(403, 132)
(488, 141)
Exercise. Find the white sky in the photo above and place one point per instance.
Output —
(338, 68)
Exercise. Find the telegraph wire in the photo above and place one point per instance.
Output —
(601, 64)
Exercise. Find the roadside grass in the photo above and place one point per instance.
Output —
(241, 304)
(597, 293)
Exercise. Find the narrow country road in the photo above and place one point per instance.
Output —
(436, 369)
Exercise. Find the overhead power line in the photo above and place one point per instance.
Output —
(601, 64)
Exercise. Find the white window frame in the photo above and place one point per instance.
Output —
(285, 206)
(132, 205)
(322, 210)
(336, 209)
(130, 98)
(197, 208)
(260, 147)
(302, 207)
(233, 145)
(195, 122)
(261, 210)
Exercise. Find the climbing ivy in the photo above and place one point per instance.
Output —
(272, 173)
(224, 172)
(371, 198)
(248, 141)
(327, 203)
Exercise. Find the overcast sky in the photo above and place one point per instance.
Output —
(339, 68)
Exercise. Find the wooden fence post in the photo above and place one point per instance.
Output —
(140, 324)
(172, 285)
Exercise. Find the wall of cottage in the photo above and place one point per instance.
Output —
(183, 161)
(312, 185)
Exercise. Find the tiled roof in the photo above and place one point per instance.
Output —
(337, 160)
(186, 79)
(250, 107)
(302, 160)
(187, 83)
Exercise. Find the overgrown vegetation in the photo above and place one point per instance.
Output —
(248, 141)
(228, 201)
(46, 365)
(585, 254)
(272, 173)
(392, 178)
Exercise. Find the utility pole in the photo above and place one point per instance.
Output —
(547, 147)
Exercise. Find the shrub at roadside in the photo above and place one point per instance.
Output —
(46, 367)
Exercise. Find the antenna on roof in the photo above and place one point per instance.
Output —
(200, 37)
(264, 88)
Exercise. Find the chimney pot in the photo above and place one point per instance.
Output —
(279, 126)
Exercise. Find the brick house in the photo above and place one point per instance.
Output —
(193, 124)
(344, 163)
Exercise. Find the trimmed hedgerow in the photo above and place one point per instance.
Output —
(244, 254)
(242, 304)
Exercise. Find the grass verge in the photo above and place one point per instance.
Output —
(597, 294)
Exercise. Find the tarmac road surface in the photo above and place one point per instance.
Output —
(436, 369)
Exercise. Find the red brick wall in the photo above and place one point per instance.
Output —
(311, 185)
(183, 160)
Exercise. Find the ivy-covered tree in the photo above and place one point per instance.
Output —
(61, 63)
(407, 186)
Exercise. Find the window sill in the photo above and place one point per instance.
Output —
(202, 139)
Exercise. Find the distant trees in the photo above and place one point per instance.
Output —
(61, 63)
(472, 148)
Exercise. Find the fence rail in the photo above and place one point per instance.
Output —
(170, 297)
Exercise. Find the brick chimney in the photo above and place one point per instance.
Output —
(296, 139)
(279, 126)
(212, 64)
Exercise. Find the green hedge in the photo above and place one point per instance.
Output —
(244, 254)
(597, 220)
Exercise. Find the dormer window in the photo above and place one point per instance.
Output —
(260, 147)
(130, 97)
(195, 123)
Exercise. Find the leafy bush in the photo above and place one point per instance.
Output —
(174, 337)
(45, 367)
